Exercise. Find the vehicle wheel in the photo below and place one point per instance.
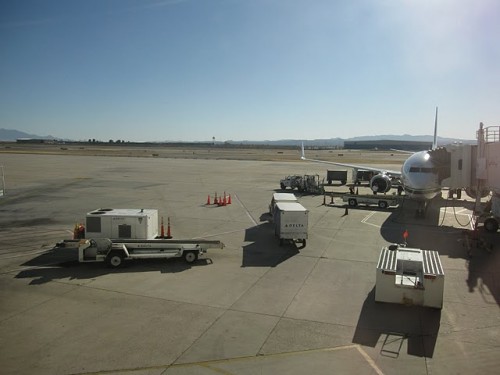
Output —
(190, 256)
(352, 202)
(491, 225)
(115, 259)
(282, 187)
(382, 204)
(303, 243)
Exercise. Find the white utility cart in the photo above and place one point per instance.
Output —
(409, 276)
(291, 222)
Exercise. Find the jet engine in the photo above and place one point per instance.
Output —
(472, 192)
(380, 183)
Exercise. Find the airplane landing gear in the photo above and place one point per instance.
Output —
(421, 209)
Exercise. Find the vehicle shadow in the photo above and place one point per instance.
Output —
(263, 248)
(396, 324)
(62, 263)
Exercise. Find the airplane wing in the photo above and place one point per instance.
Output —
(403, 151)
(396, 174)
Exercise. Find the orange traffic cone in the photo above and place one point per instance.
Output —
(224, 202)
(162, 228)
(169, 235)
(208, 199)
(229, 199)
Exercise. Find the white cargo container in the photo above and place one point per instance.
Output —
(127, 223)
(280, 197)
(291, 222)
(410, 276)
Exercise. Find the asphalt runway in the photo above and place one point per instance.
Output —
(251, 308)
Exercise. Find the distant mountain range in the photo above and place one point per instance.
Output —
(336, 142)
(12, 135)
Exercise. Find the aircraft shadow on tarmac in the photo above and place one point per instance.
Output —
(264, 249)
(435, 232)
(418, 326)
(431, 233)
(62, 263)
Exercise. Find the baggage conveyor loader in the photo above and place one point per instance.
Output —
(115, 252)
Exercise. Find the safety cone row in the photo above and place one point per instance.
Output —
(169, 234)
(220, 201)
(162, 229)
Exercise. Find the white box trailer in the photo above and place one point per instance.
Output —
(280, 197)
(119, 223)
(409, 276)
(291, 222)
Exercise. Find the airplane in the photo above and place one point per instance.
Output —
(419, 175)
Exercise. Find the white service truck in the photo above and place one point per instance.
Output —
(292, 182)
(291, 222)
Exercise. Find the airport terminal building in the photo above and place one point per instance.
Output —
(387, 145)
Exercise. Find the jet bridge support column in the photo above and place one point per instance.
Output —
(481, 174)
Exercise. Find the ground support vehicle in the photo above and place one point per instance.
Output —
(336, 176)
(115, 252)
(363, 176)
(291, 182)
(291, 222)
(381, 200)
(491, 214)
(310, 184)
(409, 276)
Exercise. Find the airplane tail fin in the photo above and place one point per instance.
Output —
(303, 155)
(434, 143)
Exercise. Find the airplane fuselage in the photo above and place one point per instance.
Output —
(419, 177)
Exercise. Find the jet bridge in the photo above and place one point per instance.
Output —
(475, 168)
(409, 276)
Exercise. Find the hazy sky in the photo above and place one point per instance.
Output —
(144, 70)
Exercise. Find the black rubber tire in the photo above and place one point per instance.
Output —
(491, 225)
(282, 187)
(382, 204)
(115, 259)
(190, 256)
(352, 202)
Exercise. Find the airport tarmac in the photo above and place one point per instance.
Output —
(251, 308)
